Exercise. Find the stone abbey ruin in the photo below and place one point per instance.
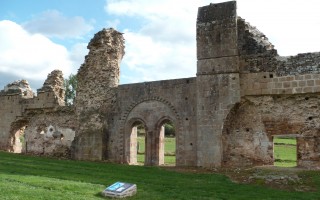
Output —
(244, 94)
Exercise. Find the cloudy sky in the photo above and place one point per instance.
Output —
(38, 36)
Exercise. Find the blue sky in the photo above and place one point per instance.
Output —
(38, 36)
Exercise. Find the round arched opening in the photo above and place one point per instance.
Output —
(167, 143)
(137, 143)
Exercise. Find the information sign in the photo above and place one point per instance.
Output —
(120, 190)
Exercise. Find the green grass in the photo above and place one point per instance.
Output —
(285, 152)
(169, 150)
(28, 178)
(170, 145)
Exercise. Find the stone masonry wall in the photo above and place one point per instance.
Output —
(217, 77)
(268, 83)
(9, 109)
(153, 103)
(250, 127)
(20, 109)
(50, 132)
(97, 78)
(257, 54)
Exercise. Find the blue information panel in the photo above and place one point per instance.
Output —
(118, 187)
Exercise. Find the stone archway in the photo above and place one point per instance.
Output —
(131, 140)
(161, 146)
(151, 113)
(16, 141)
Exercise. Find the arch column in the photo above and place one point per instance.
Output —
(155, 147)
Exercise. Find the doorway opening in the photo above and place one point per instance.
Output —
(17, 141)
(141, 144)
(167, 146)
(285, 151)
(137, 154)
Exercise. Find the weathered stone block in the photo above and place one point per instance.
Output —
(310, 82)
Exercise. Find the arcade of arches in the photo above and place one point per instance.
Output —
(151, 115)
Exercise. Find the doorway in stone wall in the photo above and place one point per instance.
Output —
(138, 144)
(141, 144)
(285, 151)
(17, 140)
(167, 143)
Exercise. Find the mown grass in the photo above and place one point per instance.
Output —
(169, 150)
(28, 178)
(285, 152)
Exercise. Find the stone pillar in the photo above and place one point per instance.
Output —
(133, 146)
(161, 142)
(97, 79)
(218, 86)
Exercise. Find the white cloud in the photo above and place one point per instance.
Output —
(33, 56)
(165, 47)
(165, 58)
(293, 26)
(52, 23)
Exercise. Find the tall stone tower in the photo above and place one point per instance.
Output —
(97, 79)
(218, 87)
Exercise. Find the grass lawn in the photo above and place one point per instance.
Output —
(285, 152)
(169, 150)
(28, 178)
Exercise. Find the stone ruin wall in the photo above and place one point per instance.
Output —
(153, 103)
(27, 119)
(98, 78)
(252, 124)
(218, 88)
(279, 96)
(243, 95)
(50, 133)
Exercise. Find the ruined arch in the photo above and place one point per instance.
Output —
(251, 125)
(161, 137)
(16, 141)
(152, 113)
(155, 98)
(131, 140)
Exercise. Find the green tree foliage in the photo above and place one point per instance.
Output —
(70, 85)
(169, 129)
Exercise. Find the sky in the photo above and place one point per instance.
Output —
(38, 36)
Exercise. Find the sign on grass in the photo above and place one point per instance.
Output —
(120, 190)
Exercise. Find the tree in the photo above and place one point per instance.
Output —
(70, 85)
(169, 129)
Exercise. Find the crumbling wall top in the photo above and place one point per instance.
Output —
(253, 41)
(107, 39)
(54, 83)
(54, 79)
(18, 87)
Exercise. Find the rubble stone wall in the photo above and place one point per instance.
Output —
(50, 132)
(10, 108)
(250, 127)
(96, 94)
(20, 108)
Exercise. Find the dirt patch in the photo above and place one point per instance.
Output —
(290, 179)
